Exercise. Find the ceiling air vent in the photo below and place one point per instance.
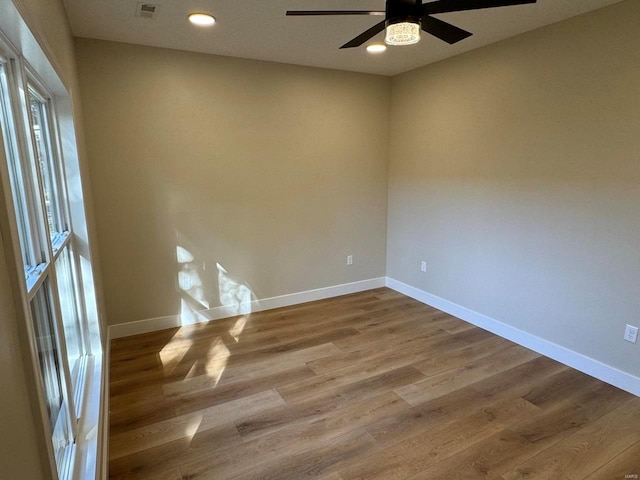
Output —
(146, 10)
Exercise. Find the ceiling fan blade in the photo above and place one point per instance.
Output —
(445, 6)
(443, 30)
(301, 13)
(363, 37)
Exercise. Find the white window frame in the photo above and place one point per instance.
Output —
(45, 251)
(39, 243)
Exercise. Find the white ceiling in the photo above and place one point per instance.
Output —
(258, 29)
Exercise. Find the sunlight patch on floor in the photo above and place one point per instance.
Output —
(173, 352)
(237, 328)
(217, 361)
(192, 427)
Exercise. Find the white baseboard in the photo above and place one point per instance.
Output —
(590, 366)
(172, 321)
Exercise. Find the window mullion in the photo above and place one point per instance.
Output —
(60, 242)
(36, 278)
(14, 85)
(65, 201)
(33, 182)
(39, 375)
(80, 299)
(50, 159)
(58, 173)
(54, 375)
(62, 348)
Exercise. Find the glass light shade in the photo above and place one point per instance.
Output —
(201, 19)
(402, 33)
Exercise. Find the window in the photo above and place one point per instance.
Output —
(17, 176)
(47, 167)
(72, 325)
(52, 284)
(50, 368)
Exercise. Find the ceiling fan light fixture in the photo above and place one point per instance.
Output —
(376, 48)
(405, 32)
(202, 19)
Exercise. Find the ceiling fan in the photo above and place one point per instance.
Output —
(403, 19)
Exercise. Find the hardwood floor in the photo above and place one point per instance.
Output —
(373, 385)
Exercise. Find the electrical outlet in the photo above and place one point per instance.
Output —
(423, 266)
(349, 259)
(631, 334)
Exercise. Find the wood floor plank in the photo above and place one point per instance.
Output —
(140, 410)
(484, 460)
(584, 405)
(437, 346)
(458, 357)
(559, 387)
(371, 385)
(516, 381)
(352, 383)
(169, 364)
(278, 363)
(335, 422)
(225, 393)
(592, 446)
(169, 456)
(279, 417)
(127, 346)
(316, 462)
(393, 430)
(298, 343)
(625, 466)
(474, 372)
(140, 414)
(141, 394)
(370, 340)
(351, 373)
(364, 353)
(331, 476)
(295, 439)
(421, 451)
(188, 425)
(455, 325)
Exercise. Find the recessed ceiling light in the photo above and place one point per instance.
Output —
(376, 48)
(201, 19)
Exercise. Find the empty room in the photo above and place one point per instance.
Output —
(330, 240)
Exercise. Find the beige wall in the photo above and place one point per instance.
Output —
(275, 172)
(515, 173)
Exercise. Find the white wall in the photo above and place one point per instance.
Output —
(515, 173)
(275, 172)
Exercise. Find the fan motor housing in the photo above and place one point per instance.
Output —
(404, 19)
(402, 9)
